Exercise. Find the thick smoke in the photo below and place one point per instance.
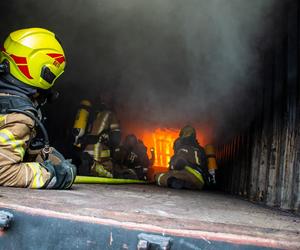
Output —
(166, 63)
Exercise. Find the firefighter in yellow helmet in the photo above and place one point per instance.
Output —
(30, 62)
(97, 135)
(188, 166)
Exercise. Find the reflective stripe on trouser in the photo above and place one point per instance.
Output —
(100, 153)
(99, 169)
(37, 180)
(102, 166)
(190, 176)
(195, 173)
(30, 175)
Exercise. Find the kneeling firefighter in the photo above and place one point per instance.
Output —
(97, 134)
(188, 166)
(30, 62)
(131, 160)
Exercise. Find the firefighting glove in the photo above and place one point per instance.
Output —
(62, 175)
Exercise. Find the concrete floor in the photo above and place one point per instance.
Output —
(167, 208)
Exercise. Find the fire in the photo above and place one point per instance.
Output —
(161, 140)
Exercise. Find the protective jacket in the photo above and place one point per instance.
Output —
(188, 149)
(16, 132)
(30, 62)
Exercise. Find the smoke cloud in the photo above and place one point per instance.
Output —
(166, 63)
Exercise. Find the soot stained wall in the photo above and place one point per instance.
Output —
(263, 162)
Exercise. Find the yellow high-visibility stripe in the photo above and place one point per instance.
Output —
(98, 154)
(102, 171)
(37, 181)
(7, 137)
(105, 153)
(195, 173)
(96, 151)
(2, 118)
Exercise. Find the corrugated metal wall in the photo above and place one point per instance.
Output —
(263, 163)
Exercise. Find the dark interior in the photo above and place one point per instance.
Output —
(229, 68)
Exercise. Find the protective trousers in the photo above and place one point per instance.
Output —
(102, 165)
(16, 130)
(189, 178)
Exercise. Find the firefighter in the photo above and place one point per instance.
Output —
(30, 62)
(131, 159)
(188, 165)
(99, 138)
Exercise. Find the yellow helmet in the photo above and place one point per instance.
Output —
(34, 57)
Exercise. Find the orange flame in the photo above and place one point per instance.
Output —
(161, 140)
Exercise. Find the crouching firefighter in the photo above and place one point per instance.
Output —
(131, 159)
(31, 60)
(97, 134)
(188, 166)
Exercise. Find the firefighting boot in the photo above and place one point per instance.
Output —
(176, 183)
(100, 170)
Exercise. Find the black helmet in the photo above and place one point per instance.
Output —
(187, 131)
(130, 141)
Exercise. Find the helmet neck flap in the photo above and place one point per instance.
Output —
(11, 85)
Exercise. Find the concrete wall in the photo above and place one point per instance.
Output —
(262, 162)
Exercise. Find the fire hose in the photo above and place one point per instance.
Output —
(102, 180)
